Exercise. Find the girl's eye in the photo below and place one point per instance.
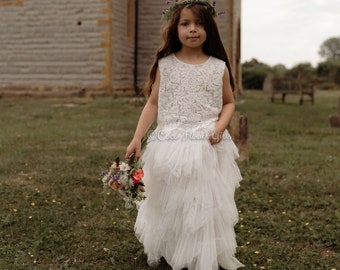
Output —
(184, 24)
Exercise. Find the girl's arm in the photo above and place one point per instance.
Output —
(226, 112)
(146, 119)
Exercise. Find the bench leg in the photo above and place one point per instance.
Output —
(283, 98)
(301, 100)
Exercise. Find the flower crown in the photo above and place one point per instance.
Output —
(167, 13)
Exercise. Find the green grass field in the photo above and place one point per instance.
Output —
(56, 215)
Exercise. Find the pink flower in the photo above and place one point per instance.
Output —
(137, 176)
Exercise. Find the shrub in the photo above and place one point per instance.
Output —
(253, 74)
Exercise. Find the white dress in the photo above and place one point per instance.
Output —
(189, 214)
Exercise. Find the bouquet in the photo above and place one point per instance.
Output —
(126, 178)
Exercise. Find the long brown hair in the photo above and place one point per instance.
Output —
(171, 44)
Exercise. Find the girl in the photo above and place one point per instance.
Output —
(189, 161)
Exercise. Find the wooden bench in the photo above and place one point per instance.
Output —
(288, 86)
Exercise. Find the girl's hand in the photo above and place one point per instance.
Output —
(216, 137)
(134, 147)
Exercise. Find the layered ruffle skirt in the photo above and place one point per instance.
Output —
(189, 213)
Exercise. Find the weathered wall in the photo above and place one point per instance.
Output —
(67, 45)
(51, 45)
(236, 47)
(123, 46)
(229, 25)
(149, 32)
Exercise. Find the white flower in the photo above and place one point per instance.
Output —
(105, 178)
(124, 178)
(113, 167)
(124, 167)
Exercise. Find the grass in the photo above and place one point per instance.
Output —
(55, 215)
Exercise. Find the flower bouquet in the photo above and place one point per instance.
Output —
(126, 178)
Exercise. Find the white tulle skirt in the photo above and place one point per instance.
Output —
(189, 213)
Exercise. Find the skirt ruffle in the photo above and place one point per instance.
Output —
(189, 213)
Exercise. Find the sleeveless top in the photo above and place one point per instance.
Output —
(190, 95)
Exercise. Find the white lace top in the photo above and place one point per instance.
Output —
(190, 95)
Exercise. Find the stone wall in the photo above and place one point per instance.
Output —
(67, 46)
(229, 25)
(54, 45)
(123, 47)
(149, 33)
(236, 41)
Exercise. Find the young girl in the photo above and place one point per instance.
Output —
(189, 213)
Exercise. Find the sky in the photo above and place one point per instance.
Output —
(287, 32)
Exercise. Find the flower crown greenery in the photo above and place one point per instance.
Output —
(167, 14)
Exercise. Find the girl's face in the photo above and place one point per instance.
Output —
(190, 29)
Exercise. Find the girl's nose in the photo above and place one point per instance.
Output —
(192, 28)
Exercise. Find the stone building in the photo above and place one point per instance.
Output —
(66, 46)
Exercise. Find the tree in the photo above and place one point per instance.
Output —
(330, 49)
(279, 70)
(329, 70)
(254, 73)
(303, 71)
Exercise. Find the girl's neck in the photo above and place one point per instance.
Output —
(192, 56)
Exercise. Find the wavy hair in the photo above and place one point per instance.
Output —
(213, 45)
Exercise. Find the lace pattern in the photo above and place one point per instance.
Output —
(189, 95)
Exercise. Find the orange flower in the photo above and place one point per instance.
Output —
(137, 176)
(116, 185)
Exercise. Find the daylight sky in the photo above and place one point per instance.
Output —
(287, 31)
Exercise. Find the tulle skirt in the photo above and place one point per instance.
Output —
(189, 213)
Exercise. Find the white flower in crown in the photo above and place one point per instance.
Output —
(175, 4)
